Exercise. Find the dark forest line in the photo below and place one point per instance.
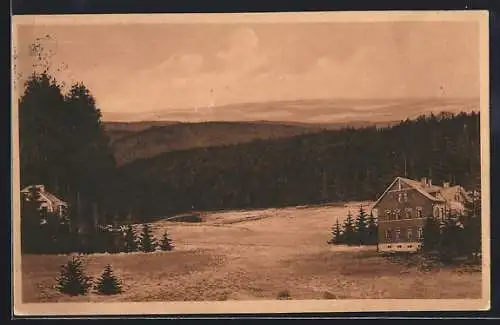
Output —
(329, 166)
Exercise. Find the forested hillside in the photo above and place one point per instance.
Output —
(138, 140)
(347, 164)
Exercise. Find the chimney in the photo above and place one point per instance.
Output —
(429, 182)
(423, 181)
(446, 184)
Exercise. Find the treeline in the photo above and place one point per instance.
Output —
(343, 165)
(44, 232)
(63, 146)
(362, 230)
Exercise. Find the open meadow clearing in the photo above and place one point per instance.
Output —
(253, 255)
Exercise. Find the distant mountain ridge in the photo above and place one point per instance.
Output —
(306, 110)
(148, 138)
(131, 141)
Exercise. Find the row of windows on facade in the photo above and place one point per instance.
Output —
(398, 214)
(409, 234)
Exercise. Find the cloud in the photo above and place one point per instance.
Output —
(243, 54)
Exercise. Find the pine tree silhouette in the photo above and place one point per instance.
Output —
(372, 230)
(108, 283)
(361, 223)
(336, 233)
(72, 279)
(166, 243)
(130, 240)
(147, 241)
(349, 230)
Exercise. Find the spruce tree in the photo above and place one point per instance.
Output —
(372, 230)
(336, 233)
(361, 230)
(473, 226)
(431, 235)
(166, 243)
(108, 283)
(147, 241)
(72, 279)
(349, 230)
(130, 240)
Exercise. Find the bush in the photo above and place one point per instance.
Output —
(72, 279)
(166, 243)
(108, 283)
(329, 295)
(284, 295)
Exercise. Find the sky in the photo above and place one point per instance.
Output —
(192, 67)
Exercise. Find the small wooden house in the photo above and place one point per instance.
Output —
(402, 209)
(48, 202)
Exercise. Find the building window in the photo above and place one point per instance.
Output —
(409, 233)
(420, 233)
(400, 197)
(375, 213)
(405, 196)
(397, 214)
(388, 235)
(419, 212)
(408, 213)
(388, 214)
(398, 233)
(436, 212)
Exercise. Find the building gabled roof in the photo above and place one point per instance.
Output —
(448, 193)
(46, 195)
(425, 191)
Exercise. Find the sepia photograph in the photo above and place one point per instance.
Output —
(250, 163)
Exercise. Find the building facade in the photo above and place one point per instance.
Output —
(402, 209)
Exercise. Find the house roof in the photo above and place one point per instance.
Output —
(46, 195)
(432, 192)
(427, 191)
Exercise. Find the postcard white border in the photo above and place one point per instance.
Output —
(265, 306)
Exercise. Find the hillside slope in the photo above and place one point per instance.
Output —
(158, 139)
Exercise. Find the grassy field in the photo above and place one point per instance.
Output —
(253, 255)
